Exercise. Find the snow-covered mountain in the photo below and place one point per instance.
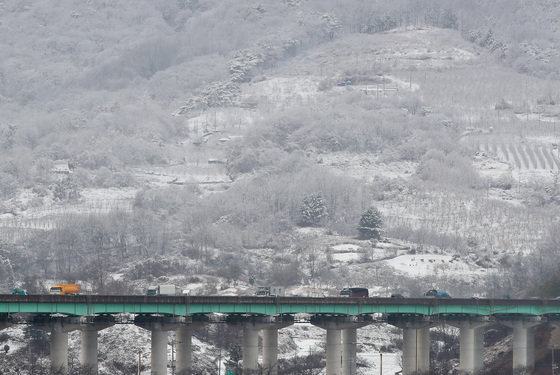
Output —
(222, 146)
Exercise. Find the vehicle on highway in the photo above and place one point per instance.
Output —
(164, 290)
(270, 291)
(19, 292)
(437, 294)
(65, 289)
(354, 292)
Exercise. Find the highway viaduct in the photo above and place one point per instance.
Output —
(340, 317)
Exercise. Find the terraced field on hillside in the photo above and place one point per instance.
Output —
(525, 156)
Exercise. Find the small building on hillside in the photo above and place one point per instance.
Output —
(62, 167)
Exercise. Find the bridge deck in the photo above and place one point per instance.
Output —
(81, 305)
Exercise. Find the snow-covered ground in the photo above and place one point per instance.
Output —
(373, 340)
(419, 265)
(367, 167)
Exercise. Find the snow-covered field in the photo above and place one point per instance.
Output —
(420, 265)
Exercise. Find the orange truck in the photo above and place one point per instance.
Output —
(64, 289)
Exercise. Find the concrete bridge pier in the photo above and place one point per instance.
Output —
(523, 341)
(471, 345)
(159, 326)
(183, 336)
(88, 349)
(58, 328)
(59, 350)
(416, 345)
(250, 348)
(270, 343)
(341, 342)
(270, 351)
(416, 350)
(159, 349)
(349, 351)
(251, 326)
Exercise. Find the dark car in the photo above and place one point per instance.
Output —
(431, 293)
(437, 294)
(397, 295)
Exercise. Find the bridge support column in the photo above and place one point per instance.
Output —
(159, 351)
(349, 350)
(250, 348)
(59, 351)
(58, 328)
(159, 327)
(416, 350)
(341, 356)
(183, 336)
(471, 345)
(88, 350)
(270, 351)
(270, 342)
(333, 353)
(251, 326)
(416, 345)
(88, 347)
(523, 342)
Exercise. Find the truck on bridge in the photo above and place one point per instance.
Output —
(270, 291)
(437, 293)
(65, 289)
(354, 292)
(19, 292)
(164, 290)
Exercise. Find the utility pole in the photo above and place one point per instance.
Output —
(552, 364)
(139, 362)
(416, 337)
(172, 357)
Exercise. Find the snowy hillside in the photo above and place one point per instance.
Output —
(223, 146)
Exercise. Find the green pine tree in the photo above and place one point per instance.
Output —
(371, 224)
(312, 210)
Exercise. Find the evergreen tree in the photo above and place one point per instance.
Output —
(66, 189)
(312, 210)
(370, 224)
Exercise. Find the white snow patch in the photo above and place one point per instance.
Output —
(310, 231)
(419, 265)
(285, 91)
(346, 247)
(308, 291)
(346, 257)
(537, 117)
(367, 167)
(346, 253)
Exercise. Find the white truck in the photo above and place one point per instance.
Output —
(164, 290)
